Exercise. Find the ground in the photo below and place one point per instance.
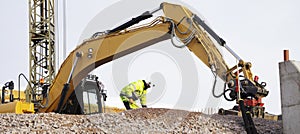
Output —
(146, 120)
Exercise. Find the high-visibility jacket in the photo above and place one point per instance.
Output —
(135, 91)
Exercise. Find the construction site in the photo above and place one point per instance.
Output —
(156, 66)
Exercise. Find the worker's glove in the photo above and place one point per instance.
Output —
(131, 101)
(144, 106)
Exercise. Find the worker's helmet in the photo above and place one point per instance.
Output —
(146, 85)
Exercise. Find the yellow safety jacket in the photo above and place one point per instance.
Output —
(135, 91)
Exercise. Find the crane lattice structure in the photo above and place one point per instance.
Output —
(41, 44)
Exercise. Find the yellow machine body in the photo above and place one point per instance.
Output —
(17, 107)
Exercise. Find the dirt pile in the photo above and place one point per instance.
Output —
(151, 120)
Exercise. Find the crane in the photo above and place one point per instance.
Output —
(41, 47)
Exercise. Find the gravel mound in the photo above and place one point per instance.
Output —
(149, 120)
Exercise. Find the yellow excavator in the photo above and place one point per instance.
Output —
(70, 85)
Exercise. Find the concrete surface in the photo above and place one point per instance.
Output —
(289, 72)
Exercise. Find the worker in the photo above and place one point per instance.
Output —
(42, 81)
(134, 91)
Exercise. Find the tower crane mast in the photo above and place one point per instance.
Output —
(41, 46)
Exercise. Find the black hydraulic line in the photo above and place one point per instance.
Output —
(226, 98)
(214, 86)
(133, 21)
(249, 125)
(209, 30)
(19, 84)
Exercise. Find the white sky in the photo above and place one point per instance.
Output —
(258, 30)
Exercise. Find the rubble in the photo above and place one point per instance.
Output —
(150, 120)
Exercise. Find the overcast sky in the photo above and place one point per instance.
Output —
(257, 30)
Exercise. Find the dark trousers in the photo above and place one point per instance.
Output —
(127, 106)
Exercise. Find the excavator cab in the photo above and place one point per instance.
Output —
(87, 98)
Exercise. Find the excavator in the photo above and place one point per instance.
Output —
(182, 27)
